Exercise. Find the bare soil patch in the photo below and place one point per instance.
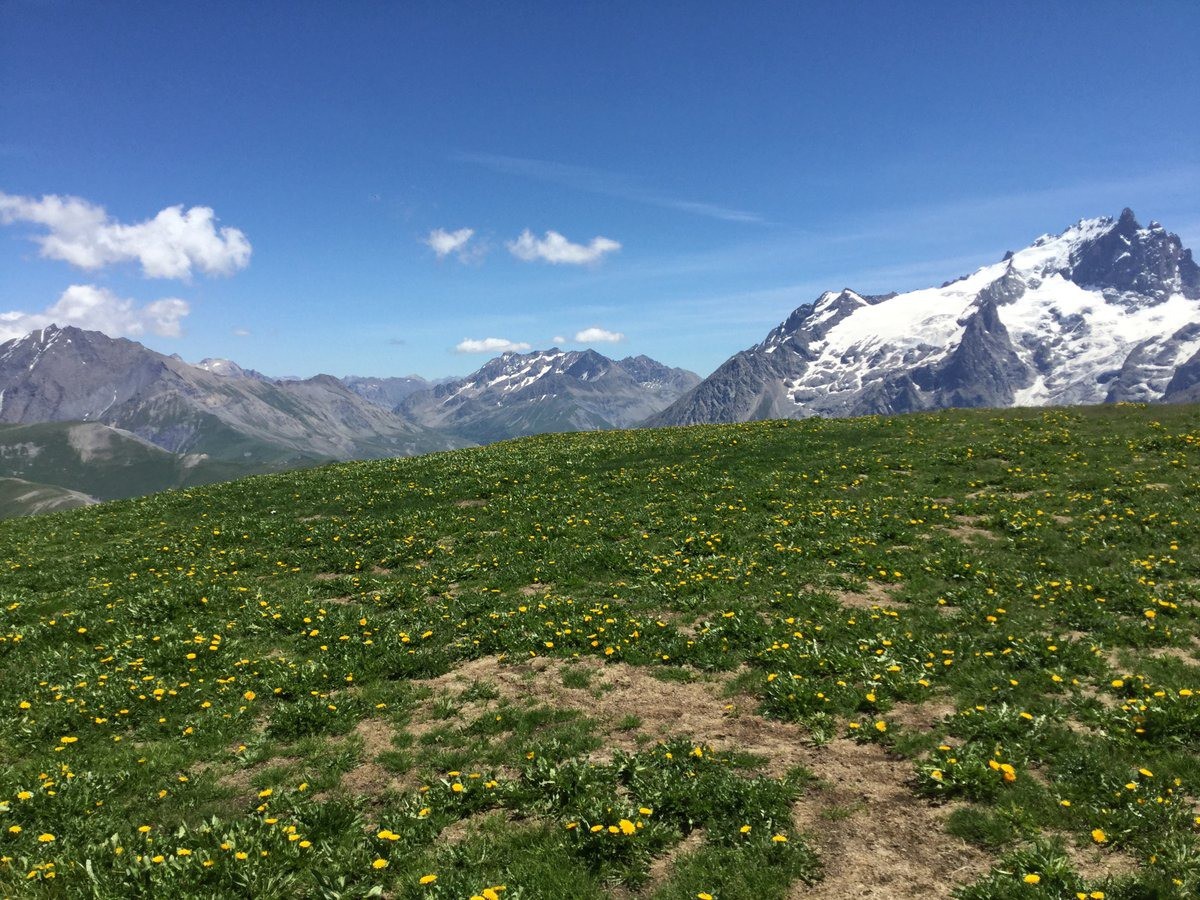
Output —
(876, 837)
(370, 779)
(873, 596)
(470, 504)
(1095, 864)
(966, 529)
(924, 716)
(532, 590)
(1183, 654)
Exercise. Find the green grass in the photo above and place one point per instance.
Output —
(105, 463)
(262, 674)
(19, 497)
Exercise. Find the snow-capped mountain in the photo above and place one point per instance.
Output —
(550, 390)
(1103, 312)
(68, 374)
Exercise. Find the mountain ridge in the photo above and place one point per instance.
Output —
(67, 374)
(518, 394)
(1102, 312)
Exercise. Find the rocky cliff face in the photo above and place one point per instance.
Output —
(1103, 312)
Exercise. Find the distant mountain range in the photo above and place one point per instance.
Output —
(389, 392)
(1103, 312)
(1106, 311)
(86, 417)
(220, 410)
(552, 390)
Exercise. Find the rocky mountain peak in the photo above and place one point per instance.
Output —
(1105, 310)
(1131, 259)
(228, 368)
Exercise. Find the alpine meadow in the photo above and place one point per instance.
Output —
(686, 450)
(904, 655)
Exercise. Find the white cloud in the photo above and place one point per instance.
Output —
(444, 242)
(558, 340)
(598, 336)
(554, 248)
(98, 309)
(491, 345)
(168, 246)
(241, 332)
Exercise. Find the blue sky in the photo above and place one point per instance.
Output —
(744, 157)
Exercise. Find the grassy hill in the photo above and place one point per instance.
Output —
(72, 462)
(879, 657)
(19, 497)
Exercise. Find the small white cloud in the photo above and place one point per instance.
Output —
(241, 332)
(556, 249)
(598, 336)
(491, 345)
(558, 340)
(443, 242)
(98, 309)
(168, 246)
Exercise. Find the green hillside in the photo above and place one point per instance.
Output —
(879, 657)
(67, 460)
(19, 497)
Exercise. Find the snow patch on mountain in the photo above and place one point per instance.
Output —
(1106, 310)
